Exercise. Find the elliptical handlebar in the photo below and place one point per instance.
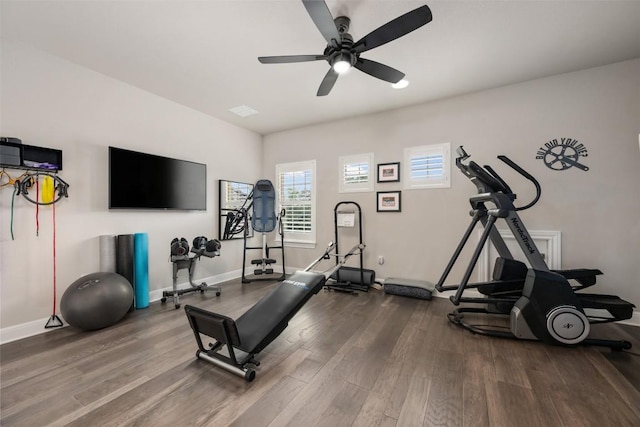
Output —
(487, 179)
(528, 176)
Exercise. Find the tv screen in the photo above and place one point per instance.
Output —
(145, 181)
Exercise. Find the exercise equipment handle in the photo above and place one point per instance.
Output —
(498, 178)
(513, 165)
(462, 154)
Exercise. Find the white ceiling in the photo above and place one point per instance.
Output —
(203, 54)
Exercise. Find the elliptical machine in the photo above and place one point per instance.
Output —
(541, 303)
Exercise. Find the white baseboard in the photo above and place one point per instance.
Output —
(25, 330)
(212, 280)
(29, 329)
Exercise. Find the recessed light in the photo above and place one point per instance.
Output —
(401, 84)
(243, 111)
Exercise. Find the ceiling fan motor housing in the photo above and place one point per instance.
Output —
(342, 24)
(344, 49)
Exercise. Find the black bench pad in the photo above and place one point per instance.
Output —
(263, 322)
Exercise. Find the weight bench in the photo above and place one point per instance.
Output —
(237, 342)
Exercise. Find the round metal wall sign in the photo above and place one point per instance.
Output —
(563, 154)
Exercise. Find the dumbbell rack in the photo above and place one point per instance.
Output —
(186, 262)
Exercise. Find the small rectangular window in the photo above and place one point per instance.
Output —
(296, 194)
(355, 173)
(428, 166)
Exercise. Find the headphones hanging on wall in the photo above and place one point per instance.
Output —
(179, 247)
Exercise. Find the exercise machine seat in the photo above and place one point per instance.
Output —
(256, 328)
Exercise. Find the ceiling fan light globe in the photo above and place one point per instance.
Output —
(341, 66)
(401, 84)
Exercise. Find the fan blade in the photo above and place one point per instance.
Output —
(321, 16)
(285, 59)
(394, 29)
(327, 83)
(378, 70)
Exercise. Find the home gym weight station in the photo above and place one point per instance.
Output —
(238, 342)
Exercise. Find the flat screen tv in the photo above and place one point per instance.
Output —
(145, 181)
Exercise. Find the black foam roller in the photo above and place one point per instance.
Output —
(125, 258)
(352, 275)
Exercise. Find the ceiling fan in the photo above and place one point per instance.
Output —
(341, 51)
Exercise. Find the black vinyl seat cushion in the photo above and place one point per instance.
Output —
(263, 322)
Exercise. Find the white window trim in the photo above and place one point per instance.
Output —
(344, 187)
(300, 240)
(443, 149)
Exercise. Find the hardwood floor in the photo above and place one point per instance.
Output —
(364, 360)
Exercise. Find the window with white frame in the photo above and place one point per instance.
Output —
(355, 173)
(427, 166)
(296, 186)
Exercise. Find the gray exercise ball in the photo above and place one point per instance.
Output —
(96, 301)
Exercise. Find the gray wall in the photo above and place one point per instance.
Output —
(49, 102)
(596, 211)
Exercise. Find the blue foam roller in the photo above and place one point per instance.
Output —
(141, 269)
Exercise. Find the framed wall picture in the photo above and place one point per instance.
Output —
(388, 201)
(389, 172)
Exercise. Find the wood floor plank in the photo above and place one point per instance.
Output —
(269, 406)
(511, 404)
(138, 401)
(415, 405)
(363, 360)
(372, 411)
(478, 369)
(550, 394)
(444, 407)
(234, 407)
(509, 361)
(43, 413)
(96, 386)
(85, 409)
(338, 330)
(308, 368)
(400, 391)
(388, 422)
(344, 407)
(374, 349)
(589, 388)
(20, 395)
(309, 404)
(627, 392)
